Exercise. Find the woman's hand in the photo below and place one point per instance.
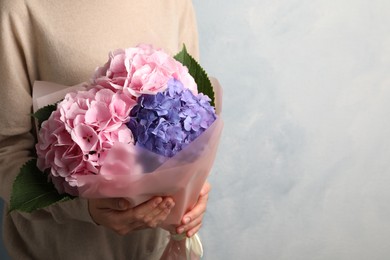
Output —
(192, 221)
(117, 215)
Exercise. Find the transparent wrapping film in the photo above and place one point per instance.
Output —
(137, 174)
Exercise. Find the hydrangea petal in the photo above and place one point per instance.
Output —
(167, 121)
(86, 138)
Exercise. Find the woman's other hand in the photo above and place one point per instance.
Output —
(192, 220)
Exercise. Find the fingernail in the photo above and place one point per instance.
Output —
(180, 230)
(186, 220)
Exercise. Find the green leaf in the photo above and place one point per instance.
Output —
(44, 113)
(197, 72)
(32, 190)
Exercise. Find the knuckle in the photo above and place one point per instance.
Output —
(164, 205)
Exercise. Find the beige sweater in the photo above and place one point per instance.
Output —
(64, 41)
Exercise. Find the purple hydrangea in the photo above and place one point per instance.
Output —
(166, 122)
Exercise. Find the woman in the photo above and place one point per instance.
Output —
(63, 42)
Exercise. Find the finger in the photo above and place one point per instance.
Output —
(164, 209)
(147, 207)
(194, 230)
(198, 210)
(166, 205)
(113, 204)
(160, 213)
(185, 228)
(136, 217)
(102, 213)
(205, 188)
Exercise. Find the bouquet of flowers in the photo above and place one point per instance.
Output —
(144, 126)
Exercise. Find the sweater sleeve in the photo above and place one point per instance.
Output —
(15, 98)
(17, 72)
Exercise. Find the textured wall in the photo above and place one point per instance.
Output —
(303, 169)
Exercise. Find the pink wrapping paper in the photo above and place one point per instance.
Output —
(138, 174)
(124, 175)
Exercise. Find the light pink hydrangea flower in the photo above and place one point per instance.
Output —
(142, 70)
(76, 137)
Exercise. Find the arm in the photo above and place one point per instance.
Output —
(17, 72)
(15, 100)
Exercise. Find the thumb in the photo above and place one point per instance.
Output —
(115, 204)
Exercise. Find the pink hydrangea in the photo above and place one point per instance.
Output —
(142, 70)
(76, 137)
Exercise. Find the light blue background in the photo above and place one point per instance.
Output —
(303, 169)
